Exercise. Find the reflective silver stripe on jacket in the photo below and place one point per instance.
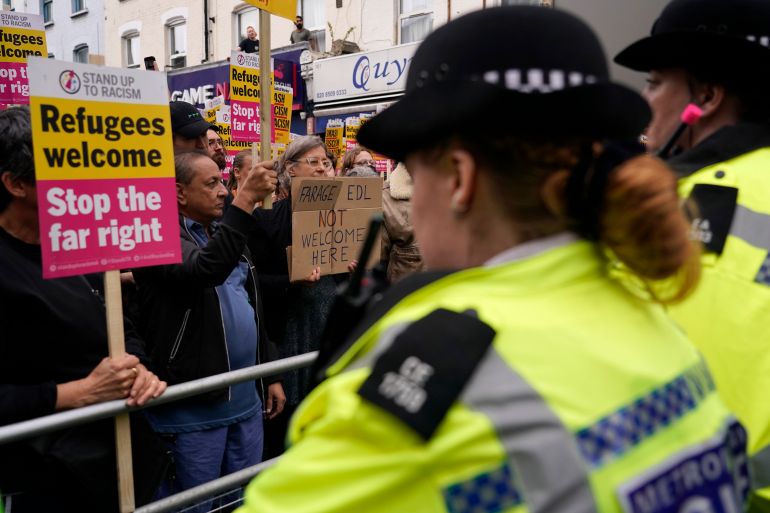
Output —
(541, 450)
(759, 465)
(751, 227)
(383, 343)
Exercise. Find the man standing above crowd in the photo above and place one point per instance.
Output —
(301, 33)
(204, 317)
(251, 43)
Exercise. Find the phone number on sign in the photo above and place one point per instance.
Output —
(331, 94)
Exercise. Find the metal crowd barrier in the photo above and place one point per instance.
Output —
(65, 419)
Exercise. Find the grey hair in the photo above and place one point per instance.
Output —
(295, 150)
(362, 171)
(185, 165)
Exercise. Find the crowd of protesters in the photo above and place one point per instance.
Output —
(535, 366)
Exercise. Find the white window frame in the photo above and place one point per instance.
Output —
(77, 50)
(83, 7)
(239, 32)
(43, 4)
(419, 13)
(126, 43)
(172, 25)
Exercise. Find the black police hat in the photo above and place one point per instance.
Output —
(187, 121)
(720, 37)
(517, 70)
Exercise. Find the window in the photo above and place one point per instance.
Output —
(542, 3)
(46, 7)
(78, 6)
(8, 5)
(80, 54)
(131, 51)
(415, 20)
(176, 33)
(314, 19)
(245, 18)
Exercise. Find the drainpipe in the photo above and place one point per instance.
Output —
(205, 30)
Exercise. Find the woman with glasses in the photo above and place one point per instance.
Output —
(356, 156)
(296, 312)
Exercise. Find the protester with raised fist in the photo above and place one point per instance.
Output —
(204, 317)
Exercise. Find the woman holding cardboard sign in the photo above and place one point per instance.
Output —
(529, 378)
(298, 310)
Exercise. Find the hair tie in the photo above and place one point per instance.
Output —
(588, 180)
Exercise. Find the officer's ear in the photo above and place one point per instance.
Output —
(711, 98)
(463, 166)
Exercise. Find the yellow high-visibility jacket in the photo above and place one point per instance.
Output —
(533, 384)
(728, 317)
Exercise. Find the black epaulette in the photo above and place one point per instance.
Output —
(713, 214)
(426, 368)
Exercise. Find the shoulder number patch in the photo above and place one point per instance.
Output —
(715, 208)
(426, 368)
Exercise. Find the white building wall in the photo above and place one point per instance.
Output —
(374, 24)
(224, 36)
(150, 17)
(69, 30)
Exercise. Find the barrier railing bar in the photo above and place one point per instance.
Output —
(206, 490)
(65, 419)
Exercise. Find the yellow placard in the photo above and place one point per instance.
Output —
(18, 44)
(333, 140)
(282, 102)
(283, 8)
(77, 141)
(244, 83)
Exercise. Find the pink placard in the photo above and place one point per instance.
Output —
(14, 85)
(100, 225)
(244, 121)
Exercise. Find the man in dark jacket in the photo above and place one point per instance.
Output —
(203, 317)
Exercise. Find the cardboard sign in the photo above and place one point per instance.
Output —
(21, 35)
(330, 217)
(244, 97)
(283, 8)
(105, 168)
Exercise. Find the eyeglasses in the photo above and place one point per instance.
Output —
(315, 161)
(369, 163)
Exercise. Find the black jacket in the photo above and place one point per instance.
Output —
(268, 243)
(180, 316)
(53, 332)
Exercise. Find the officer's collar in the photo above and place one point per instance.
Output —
(532, 248)
(725, 144)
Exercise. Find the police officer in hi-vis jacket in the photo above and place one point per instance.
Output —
(518, 374)
(716, 54)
